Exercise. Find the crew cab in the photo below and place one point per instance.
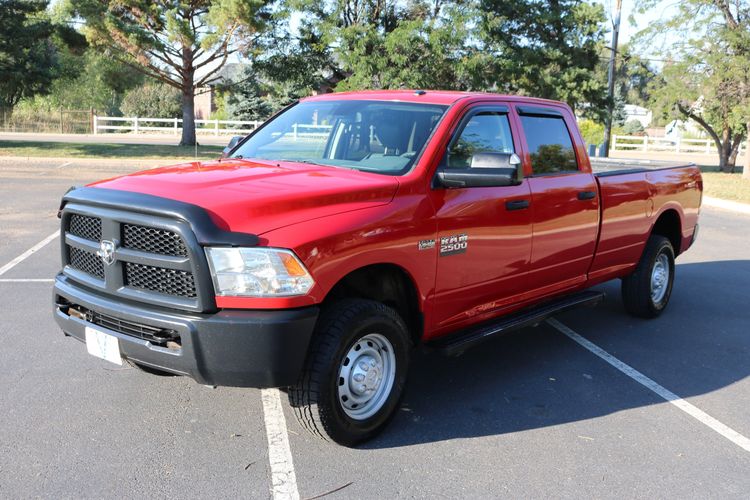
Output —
(352, 227)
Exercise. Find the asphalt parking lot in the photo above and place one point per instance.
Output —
(534, 414)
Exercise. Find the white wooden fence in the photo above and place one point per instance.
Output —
(665, 145)
(139, 125)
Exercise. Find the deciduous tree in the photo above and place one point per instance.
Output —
(376, 44)
(28, 57)
(708, 76)
(548, 49)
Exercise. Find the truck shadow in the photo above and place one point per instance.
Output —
(538, 378)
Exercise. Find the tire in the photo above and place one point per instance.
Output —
(358, 344)
(646, 292)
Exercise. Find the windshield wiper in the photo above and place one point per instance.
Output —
(310, 162)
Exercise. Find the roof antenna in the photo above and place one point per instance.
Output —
(420, 92)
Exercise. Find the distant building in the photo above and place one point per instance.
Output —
(678, 128)
(642, 115)
(205, 97)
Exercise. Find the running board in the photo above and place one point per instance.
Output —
(456, 343)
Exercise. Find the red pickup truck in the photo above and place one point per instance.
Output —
(352, 227)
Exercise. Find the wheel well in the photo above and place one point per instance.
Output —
(668, 225)
(385, 283)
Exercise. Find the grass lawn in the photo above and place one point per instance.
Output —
(81, 150)
(726, 186)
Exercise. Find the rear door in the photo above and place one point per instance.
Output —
(484, 233)
(565, 201)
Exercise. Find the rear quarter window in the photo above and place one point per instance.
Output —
(550, 145)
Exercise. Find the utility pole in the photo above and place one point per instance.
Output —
(611, 80)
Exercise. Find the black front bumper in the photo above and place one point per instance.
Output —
(240, 348)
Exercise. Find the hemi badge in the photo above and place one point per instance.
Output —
(426, 244)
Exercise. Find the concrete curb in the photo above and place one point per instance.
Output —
(734, 206)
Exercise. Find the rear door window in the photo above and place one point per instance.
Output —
(550, 145)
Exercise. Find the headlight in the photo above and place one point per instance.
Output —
(257, 272)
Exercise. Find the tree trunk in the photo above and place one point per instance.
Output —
(725, 150)
(188, 97)
(6, 112)
(188, 116)
(723, 157)
(735, 149)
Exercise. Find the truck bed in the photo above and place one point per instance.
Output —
(634, 194)
(603, 167)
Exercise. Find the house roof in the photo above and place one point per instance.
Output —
(228, 74)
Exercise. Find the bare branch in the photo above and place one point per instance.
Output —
(152, 72)
(703, 123)
(207, 77)
(723, 6)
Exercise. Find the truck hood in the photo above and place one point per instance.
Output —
(259, 196)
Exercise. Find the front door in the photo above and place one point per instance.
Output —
(484, 233)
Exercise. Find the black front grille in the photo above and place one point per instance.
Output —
(87, 262)
(159, 279)
(158, 336)
(89, 228)
(153, 260)
(164, 337)
(152, 240)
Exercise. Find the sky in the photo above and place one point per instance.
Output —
(628, 30)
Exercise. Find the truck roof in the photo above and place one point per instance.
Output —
(445, 97)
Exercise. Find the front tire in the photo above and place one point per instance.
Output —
(354, 374)
(646, 292)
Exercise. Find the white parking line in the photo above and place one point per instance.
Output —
(27, 280)
(10, 265)
(283, 477)
(665, 393)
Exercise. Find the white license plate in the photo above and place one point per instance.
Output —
(103, 345)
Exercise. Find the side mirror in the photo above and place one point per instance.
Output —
(487, 169)
(232, 143)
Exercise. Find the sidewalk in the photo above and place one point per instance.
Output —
(734, 206)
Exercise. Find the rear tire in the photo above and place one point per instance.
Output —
(354, 374)
(646, 292)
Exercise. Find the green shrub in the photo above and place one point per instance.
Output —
(154, 101)
(633, 127)
(592, 132)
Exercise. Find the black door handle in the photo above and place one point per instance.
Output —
(586, 195)
(516, 204)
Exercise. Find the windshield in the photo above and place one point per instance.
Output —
(374, 136)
